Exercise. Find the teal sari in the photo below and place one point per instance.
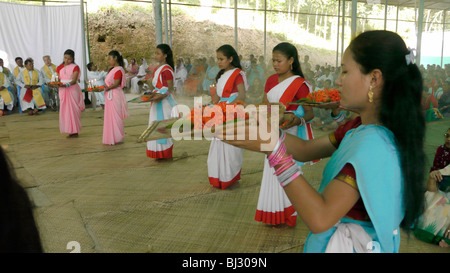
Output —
(372, 151)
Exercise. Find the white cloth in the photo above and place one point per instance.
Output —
(446, 170)
(44, 75)
(349, 237)
(140, 76)
(180, 76)
(55, 28)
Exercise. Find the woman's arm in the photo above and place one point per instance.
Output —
(320, 212)
(241, 93)
(115, 85)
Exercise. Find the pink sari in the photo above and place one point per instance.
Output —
(116, 110)
(71, 102)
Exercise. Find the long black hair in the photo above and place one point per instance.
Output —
(289, 50)
(228, 51)
(71, 53)
(18, 229)
(115, 53)
(400, 109)
(165, 48)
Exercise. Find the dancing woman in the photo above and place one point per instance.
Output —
(373, 183)
(115, 103)
(224, 160)
(70, 95)
(164, 108)
(287, 85)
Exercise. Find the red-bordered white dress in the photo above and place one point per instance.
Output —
(224, 160)
(274, 206)
(165, 109)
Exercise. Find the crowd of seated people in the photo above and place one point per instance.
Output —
(436, 89)
(24, 88)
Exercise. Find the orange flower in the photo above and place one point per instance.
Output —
(325, 95)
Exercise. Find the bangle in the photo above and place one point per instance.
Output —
(67, 84)
(280, 139)
(302, 122)
(289, 173)
(275, 157)
(338, 118)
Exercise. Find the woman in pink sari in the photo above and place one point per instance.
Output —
(70, 95)
(115, 103)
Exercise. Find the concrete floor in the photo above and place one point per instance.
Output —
(114, 199)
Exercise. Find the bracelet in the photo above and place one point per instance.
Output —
(277, 146)
(338, 118)
(302, 122)
(67, 84)
(290, 172)
(275, 158)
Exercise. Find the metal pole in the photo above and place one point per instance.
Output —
(343, 25)
(170, 22)
(158, 21)
(443, 36)
(166, 25)
(337, 35)
(353, 22)
(385, 14)
(419, 32)
(265, 31)
(83, 62)
(235, 26)
(396, 19)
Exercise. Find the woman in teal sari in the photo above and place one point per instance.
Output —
(373, 183)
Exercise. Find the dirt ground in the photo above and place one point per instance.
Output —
(113, 199)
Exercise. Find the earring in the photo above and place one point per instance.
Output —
(370, 94)
(291, 67)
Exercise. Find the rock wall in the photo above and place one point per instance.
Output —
(133, 34)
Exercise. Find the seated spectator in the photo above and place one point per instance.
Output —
(434, 224)
(139, 76)
(97, 78)
(19, 68)
(326, 76)
(6, 71)
(210, 75)
(194, 79)
(48, 72)
(444, 100)
(6, 95)
(132, 70)
(29, 83)
(254, 72)
(180, 76)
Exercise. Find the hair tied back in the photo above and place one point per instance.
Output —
(410, 57)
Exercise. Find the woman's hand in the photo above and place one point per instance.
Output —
(289, 120)
(436, 175)
(251, 134)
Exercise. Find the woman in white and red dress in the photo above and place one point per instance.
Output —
(162, 82)
(287, 85)
(224, 160)
(70, 95)
(115, 103)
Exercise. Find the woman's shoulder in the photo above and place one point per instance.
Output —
(61, 66)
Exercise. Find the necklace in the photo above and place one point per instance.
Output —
(376, 123)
